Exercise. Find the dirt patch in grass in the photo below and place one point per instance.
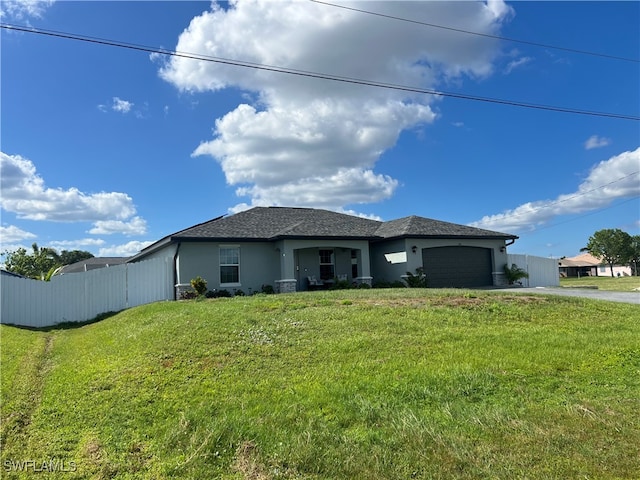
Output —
(247, 462)
(463, 301)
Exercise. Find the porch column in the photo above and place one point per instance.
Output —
(365, 263)
(287, 282)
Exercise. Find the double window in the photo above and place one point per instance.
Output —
(229, 265)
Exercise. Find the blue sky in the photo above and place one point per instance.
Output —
(108, 149)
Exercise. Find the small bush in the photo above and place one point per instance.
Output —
(222, 294)
(340, 285)
(386, 284)
(188, 295)
(239, 293)
(419, 280)
(268, 289)
(199, 284)
(514, 274)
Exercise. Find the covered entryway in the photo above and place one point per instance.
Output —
(458, 267)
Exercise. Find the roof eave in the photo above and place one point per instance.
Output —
(450, 237)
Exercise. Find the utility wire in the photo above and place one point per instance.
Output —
(309, 74)
(550, 204)
(588, 214)
(486, 35)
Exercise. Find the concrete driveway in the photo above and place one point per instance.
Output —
(622, 297)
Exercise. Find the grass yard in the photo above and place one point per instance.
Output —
(621, 284)
(352, 384)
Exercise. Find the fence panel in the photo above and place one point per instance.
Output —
(543, 272)
(149, 281)
(78, 297)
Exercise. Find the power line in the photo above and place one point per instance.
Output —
(581, 194)
(310, 74)
(542, 207)
(486, 35)
(588, 214)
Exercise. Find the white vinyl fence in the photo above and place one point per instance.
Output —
(543, 272)
(78, 297)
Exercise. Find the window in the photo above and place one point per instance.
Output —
(326, 265)
(229, 265)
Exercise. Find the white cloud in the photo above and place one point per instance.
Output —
(23, 9)
(513, 64)
(134, 226)
(610, 180)
(14, 234)
(127, 250)
(81, 244)
(594, 141)
(316, 142)
(122, 106)
(25, 194)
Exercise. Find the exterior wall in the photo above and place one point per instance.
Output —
(618, 270)
(383, 270)
(258, 265)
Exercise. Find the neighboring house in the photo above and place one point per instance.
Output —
(7, 273)
(295, 249)
(586, 265)
(91, 264)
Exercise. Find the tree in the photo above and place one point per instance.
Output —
(68, 257)
(38, 265)
(612, 245)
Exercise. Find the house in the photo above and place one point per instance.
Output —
(294, 249)
(7, 273)
(91, 264)
(586, 265)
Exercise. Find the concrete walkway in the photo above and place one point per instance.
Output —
(622, 297)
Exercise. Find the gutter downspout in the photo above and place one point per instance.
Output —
(513, 240)
(175, 270)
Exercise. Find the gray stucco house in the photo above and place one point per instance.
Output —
(295, 249)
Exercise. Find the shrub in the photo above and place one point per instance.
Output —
(222, 293)
(340, 285)
(268, 289)
(199, 284)
(419, 280)
(514, 274)
(238, 293)
(188, 295)
(386, 284)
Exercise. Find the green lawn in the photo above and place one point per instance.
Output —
(621, 284)
(357, 384)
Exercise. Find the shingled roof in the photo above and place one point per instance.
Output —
(415, 226)
(274, 223)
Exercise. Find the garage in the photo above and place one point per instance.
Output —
(458, 267)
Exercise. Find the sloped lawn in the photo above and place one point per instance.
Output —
(330, 385)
